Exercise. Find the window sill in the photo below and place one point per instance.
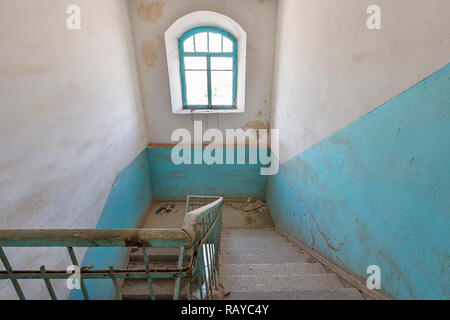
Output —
(209, 111)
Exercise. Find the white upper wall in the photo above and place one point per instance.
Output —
(331, 70)
(151, 19)
(70, 120)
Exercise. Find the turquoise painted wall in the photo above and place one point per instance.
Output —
(170, 181)
(378, 193)
(128, 202)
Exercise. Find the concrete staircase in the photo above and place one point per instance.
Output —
(260, 264)
(255, 264)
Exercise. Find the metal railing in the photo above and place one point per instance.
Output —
(200, 232)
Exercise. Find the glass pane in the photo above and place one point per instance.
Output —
(201, 42)
(189, 44)
(227, 45)
(215, 42)
(197, 88)
(219, 63)
(222, 88)
(195, 63)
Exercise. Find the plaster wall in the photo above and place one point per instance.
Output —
(71, 119)
(331, 69)
(151, 19)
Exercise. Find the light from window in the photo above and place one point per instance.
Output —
(208, 61)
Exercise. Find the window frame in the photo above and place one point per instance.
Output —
(208, 55)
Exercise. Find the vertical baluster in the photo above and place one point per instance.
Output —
(176, 294)
(115, 282)
(73, 258)
(200, 272)
(207, 268)
(209, 260)
(8, 269)
(48, 284)
(149, 278)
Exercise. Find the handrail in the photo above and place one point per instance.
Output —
(95, 238)
(200, 231)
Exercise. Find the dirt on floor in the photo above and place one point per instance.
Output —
(237, 214)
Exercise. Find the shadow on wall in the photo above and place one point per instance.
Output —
(377, 193)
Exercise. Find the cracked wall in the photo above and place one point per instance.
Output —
(376, 195)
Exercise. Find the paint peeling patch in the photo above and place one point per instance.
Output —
(257, 125)
(149, 55)
(151, 12)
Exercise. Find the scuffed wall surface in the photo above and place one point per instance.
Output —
(70, 120)
(331, 70)
(376, 193)
(170, 181)
(151, 19)
(127, 204)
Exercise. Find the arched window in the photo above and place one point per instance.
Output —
(208, 66)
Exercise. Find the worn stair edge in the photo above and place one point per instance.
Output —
(283, 250)
(250, 241)
(339, 294)
(264, 258)
(297, 282)
(346, 275)
(138, 289)
(252, 237)
(271, 269)
(256, 245)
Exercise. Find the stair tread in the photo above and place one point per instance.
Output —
(253, 239)
(279, 282)
(256, 245)
(282, 250)
(270, 269)
(264, 258)
(138, 289)
(338, 294)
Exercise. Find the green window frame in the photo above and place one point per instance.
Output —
(192, 45)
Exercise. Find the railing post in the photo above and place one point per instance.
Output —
(149, 278)
(115, 283)
(176, 294)
(48, 284)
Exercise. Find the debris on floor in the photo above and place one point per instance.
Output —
(253, 206)
(165, 209)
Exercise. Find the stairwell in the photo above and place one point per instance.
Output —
(256, 262)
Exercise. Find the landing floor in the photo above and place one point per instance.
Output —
(237, 214)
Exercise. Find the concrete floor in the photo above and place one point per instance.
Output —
(237, 214)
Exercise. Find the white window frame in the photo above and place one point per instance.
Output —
(180, 27)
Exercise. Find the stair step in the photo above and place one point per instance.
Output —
(138, 289)
(248, 230)
(253, 237)
(256, 245)
(285, 269)
(254, 241)
(283, 250)
(160, 254)
(264, 258)
(339, 294)
(297, 282)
